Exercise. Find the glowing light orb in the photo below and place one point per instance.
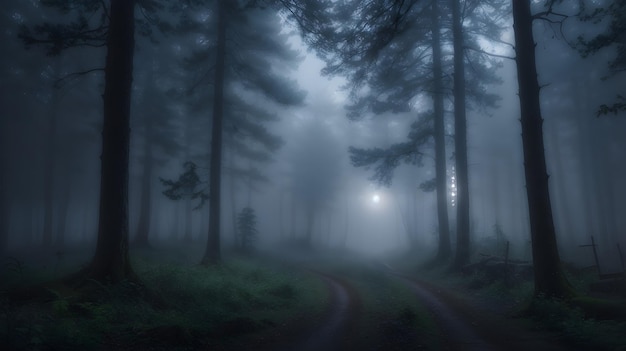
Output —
(375, 198)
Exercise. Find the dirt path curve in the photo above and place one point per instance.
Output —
(467, 327)
(333, 331)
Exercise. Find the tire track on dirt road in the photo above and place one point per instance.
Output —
(334, 330)
(466, 327)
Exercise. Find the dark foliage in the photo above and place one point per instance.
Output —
(188, 186)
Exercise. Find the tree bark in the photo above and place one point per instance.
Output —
(460, 143)
(49, 165)
(4, 201)
(212, 254)
(64, 204)
(188, 236)
(111, 263)
(444, 250)
(550, 280)
(145, 210)
(233, 199)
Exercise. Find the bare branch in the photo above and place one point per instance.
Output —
(489, 53)
(59, 83)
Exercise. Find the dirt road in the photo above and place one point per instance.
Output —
(333, 332)
(462, 324)
(465, 326)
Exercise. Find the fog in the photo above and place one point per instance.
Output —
(286, 142)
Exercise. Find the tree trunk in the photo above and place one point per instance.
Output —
(550, 280)
(346, 228)
(460, 143)
(233, 199)
(281, 229)
(562, 207)
(444, 250)
(111, 263)
(49, 165)
(188, 236)
(212, 253)
(4, 201)
(145, 210)
(292, 234)
(64, 204)
(308, 234)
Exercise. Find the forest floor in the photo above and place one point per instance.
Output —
(448, 320)
(444, 312)
(332, 301)
(468, 324)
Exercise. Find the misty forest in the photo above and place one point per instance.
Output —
(313, 175)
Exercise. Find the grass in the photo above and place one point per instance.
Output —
(579, 323)
(575, 328)
(219, 308)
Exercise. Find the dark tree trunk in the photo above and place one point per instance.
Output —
(64, 204)
(142, 235)
(346, 228)
(145, 210)
(4, 201)
(49, 165)
(444, 250)
(188, 236)
(281, 229)
(233, 200)
(111, 263)
(549, 278)
(460, 143)
(292, 233)
(310, 218)
(562, 207)
(212, 254)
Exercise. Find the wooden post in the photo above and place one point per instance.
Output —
(595, 254)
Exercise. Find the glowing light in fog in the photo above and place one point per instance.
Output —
(375, 198)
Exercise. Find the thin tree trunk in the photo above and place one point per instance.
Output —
(550, 280)
(347, 225)
(4, 200)
(460, 144)
(328, 226)
(293, 217)
(145, 210)
(4, 207)
(445, 249)
(212, 254)
(310, 217)
(49, 165)
(281, 229)
(64, 204)
(176, 230)
(563, 206)
(188, 236)
(233, 200)
(111, 262)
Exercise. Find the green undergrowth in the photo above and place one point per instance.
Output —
(205, 308)
(575, 327)
(583, 322)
